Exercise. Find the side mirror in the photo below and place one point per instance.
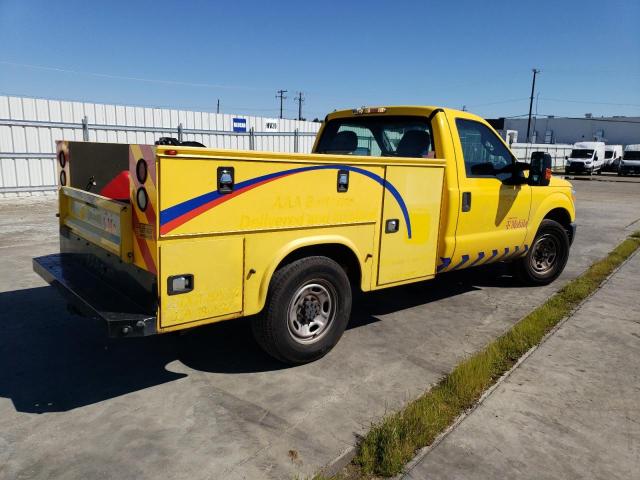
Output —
(516, 169)
(540, 170)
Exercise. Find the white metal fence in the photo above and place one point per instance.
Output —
(29, 128)
(557, 151)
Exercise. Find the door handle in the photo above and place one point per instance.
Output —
(466, 201)
(392, 225)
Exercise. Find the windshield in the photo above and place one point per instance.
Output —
(581, 153)
(632, 155)
(608, 154)
(382, 136)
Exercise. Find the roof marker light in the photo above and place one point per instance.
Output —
(365, 110)
(171, 152)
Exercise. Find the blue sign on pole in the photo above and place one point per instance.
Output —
(240, 125)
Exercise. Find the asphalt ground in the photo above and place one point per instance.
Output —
(210, 404)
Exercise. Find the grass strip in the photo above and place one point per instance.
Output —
(394, 441)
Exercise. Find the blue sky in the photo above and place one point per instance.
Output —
(341, 54)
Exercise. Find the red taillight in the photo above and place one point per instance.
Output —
(141, 171)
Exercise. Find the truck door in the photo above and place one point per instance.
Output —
(494, 215)
(409, 235)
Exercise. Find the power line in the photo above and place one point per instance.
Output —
(512, 100)
(281, 95)
(589, 102)
(136, 79)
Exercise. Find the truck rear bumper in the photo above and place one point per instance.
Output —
(93, 297)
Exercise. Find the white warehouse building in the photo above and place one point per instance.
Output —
(566, 130)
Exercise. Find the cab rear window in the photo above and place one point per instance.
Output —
(380, 136)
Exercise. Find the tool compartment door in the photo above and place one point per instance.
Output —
(216, 265)
(413, 198)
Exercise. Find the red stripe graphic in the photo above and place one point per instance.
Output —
(176, 222)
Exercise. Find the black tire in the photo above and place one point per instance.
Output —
(547, 257)
(316, 287)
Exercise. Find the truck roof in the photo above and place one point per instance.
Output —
(612, 147)
(632, 148)
(418, 110)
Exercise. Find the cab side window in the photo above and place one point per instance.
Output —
(485, 156)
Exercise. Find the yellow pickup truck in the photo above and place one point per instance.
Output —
(159, 238)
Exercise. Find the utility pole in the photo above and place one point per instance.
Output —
(464, 108)
(218, 107)
(299, 99)
(533, 86)
(281, 95)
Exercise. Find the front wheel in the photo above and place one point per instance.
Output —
(307, 310)
(547, 256)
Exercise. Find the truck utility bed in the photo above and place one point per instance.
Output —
(160, 238)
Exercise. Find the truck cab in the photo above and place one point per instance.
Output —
(630, 162)
(585, 158)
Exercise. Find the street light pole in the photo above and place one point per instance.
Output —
(533, 86)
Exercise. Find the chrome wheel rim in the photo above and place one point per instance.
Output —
(311, 311)
(544, 254)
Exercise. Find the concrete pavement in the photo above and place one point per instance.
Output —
(209, 404)
(571, 410)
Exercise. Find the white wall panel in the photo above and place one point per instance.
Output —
(31, 126)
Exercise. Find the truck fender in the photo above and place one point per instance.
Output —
(294, 245)
(557, 200)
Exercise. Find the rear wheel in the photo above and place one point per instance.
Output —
(547, 256)
(307, 310)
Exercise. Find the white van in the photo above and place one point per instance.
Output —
(586, 157)
(612, 156)
(630, 162)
